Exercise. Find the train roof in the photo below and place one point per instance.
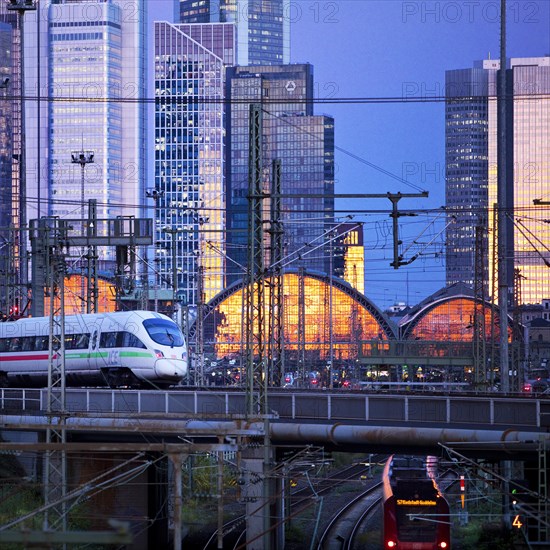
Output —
(79, 320)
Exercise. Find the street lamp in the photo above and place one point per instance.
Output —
(21, 7)
(173, 231)
(83, 158)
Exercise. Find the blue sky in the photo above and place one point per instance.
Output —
(395, 48)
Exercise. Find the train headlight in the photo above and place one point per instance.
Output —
(443, 544)
(391, 544)
(158, 354)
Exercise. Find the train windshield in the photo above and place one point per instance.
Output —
(164, 332)
(416, 523)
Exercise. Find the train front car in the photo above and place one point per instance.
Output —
(120, 349)
(138, 348)
(169, 347)
(415, 514)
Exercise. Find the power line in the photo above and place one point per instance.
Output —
(266, 101)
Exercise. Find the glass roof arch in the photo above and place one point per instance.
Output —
(450, 314)
(308, 325)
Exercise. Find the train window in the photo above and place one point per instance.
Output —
(132, 341)
(3, 344)
(69, 341)
(42, 343)
(107, 340)
(27, 343)
(15, 344)
(111, 340)
(412, 524)
(82, 341)
(164, 332)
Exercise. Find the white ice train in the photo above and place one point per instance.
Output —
(118, 349)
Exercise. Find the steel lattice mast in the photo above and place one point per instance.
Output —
(256, 371)
(56, 461)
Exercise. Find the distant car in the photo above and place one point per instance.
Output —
(288, 380)
(537, 383)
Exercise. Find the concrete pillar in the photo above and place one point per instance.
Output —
(252, 492)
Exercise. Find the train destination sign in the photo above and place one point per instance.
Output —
(415, 502)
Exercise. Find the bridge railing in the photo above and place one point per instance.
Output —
(360, 408)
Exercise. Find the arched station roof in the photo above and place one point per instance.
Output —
(307, 299)
(448, 315)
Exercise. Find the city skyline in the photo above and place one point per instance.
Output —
(425, 167)
(399, 50)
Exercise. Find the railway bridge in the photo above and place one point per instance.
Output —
(177, 423)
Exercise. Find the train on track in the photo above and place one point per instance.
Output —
(121, 349)
(415, 513)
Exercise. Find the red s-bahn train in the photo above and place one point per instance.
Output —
(416, 515)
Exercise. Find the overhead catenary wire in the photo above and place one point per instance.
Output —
(352, 100)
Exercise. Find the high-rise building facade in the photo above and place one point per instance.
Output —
(466, 169)
(263, 26)
(190, 71)
(7, 220)
(348, 254)
(528, 168)
(6, 129)
(471, 169)
(302, 141)
(89, 59)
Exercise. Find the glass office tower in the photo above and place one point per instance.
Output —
(303, 142)
(471, 172)
(528, 159)
(90, 59)
(466, 168)
(263, 26)
(190, 70)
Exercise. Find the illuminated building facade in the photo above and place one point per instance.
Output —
(348, 255)
(6, 128)
(313, 331)
(6, 183)
(93, 55)
(73, 302)
(466, 168)
(528, 159)
(471, 169)
(263, 26)
(190, 66)
(303, 142)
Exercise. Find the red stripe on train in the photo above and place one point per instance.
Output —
(22, 357)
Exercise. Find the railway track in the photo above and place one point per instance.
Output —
(345, 526)
(234, 531)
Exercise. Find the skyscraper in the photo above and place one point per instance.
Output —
(7, 282)
(302, 141)
(471, 168)
(6, 128)
(89, 59)
(190, 69)
(528, 160)
(466, 167)
(263, 26)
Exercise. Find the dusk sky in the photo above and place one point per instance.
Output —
(364, 49)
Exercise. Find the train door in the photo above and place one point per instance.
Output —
(77, 351)
(94, 351)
